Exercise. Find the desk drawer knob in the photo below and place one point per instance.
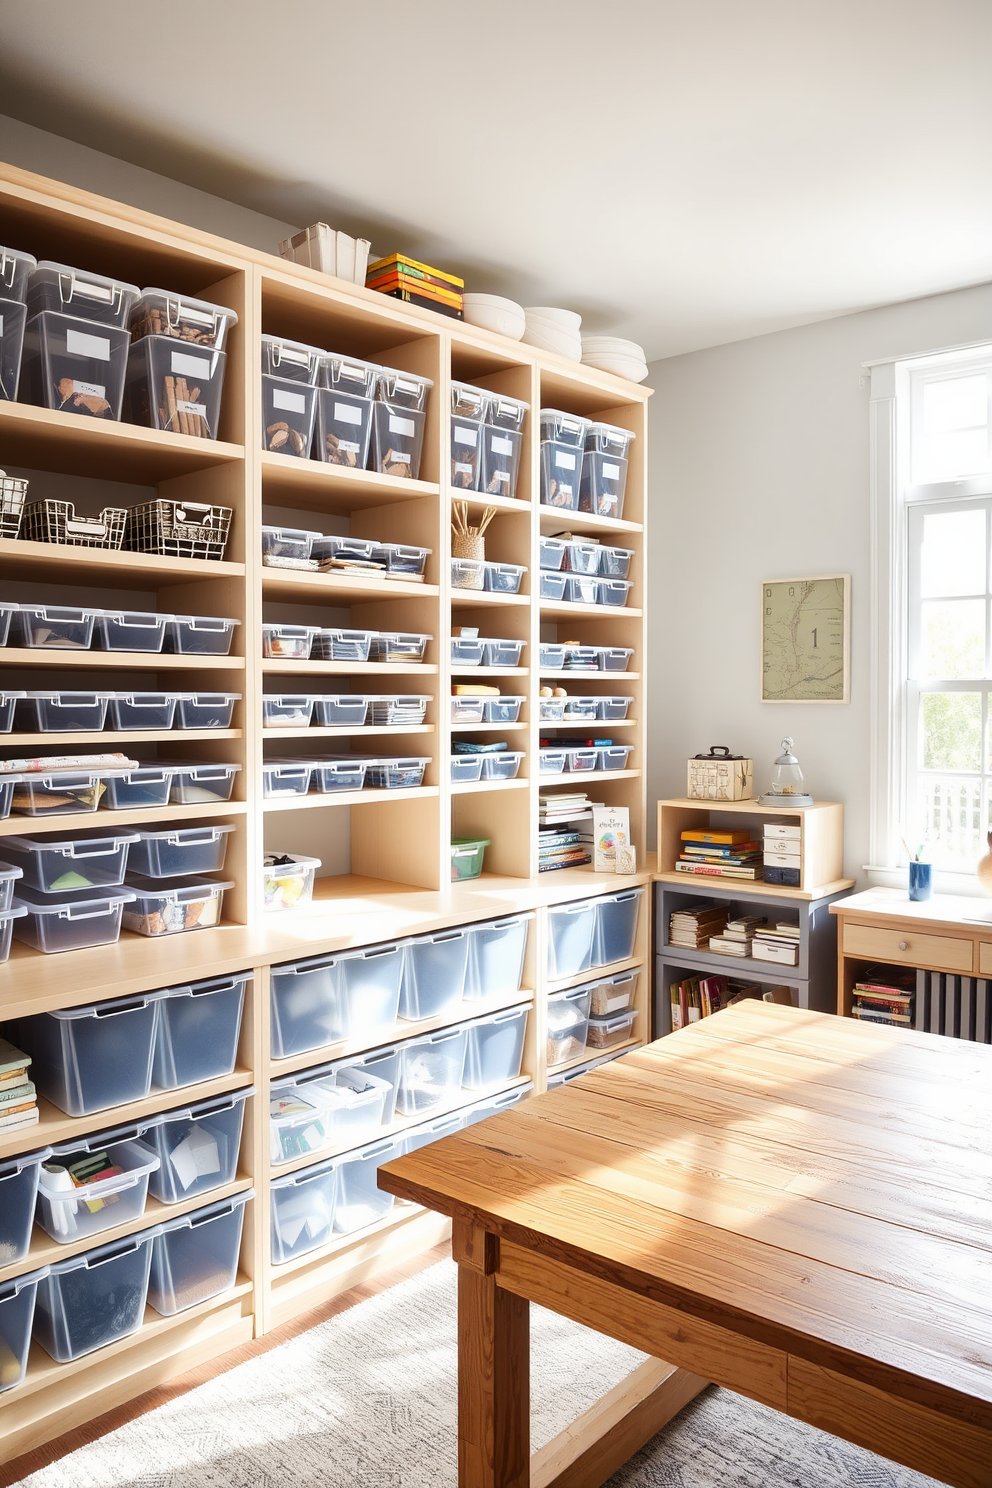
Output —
(904, 945)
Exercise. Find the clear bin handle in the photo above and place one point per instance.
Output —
(127, 1247)
(126, 1007)
(77, 850)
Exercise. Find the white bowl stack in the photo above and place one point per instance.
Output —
(554, 330)
(493, 313)
(613, 354)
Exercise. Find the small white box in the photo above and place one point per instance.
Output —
(782, 860)
(782, 829)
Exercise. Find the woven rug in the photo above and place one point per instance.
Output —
(367, 1400)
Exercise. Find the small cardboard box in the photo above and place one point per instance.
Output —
(720, 776)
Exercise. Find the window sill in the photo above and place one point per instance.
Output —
(965, 885)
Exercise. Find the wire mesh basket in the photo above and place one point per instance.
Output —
(54, 521)
(12, 493)
(174, 529)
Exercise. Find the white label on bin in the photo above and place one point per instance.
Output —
(466, 436)
(102, 292)
(80, 344)
(564, 490)
(196, 317)
(198, 410)
(611, 472)
(403, 426)
(349, 446)
(89, 390)
(564, 461)
(190, 366)
(461, 468)
(291, 402)
(500, 446)
(613, 1004)
(502, 476)
(346, 413)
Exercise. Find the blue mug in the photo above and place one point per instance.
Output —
(920, 880)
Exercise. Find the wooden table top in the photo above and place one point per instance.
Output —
(817, 1185)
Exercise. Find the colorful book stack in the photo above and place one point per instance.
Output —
(884, 994)
(18, 1099)
(738, 936)
(779, 943)
(693, 926)
(416, 283)
(561, 843)
(698, 997)
(716, 854)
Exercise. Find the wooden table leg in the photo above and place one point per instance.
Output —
(493, 1372)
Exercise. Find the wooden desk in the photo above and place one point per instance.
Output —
(780, 1201)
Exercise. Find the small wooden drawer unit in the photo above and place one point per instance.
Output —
(907, 947)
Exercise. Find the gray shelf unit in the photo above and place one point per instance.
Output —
(813, 980)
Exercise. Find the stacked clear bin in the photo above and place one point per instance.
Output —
(176, 363)
(75, 341)
(15, 268)
(398, 419)
(562, 440)
(290, 371)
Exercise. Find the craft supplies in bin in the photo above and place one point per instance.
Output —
(200, 784)
(287, 880)
(288, 411)
(495, 1048)
(195, 1256)
(66, 864)
(604, 470)
(612, 994)
(396, 774)
(504, 578)
(467, 709)
(199, 635)
(302, 1210)
(360, 1201)
(354, 994)
(284, 710)
(92, 1185)
(467, 854)
(398, 423)
(298, 1121)
(291, 642)
(496, 956)
(433, 979)
(344, 410)
(160, 909)
(468, 409)
(287, 547)
(173, 387)
(86, 1059)
(430, 1071)
(53, 627)
(94, 1299)
(61, 794)
(398, 709)
(17, 1310)
(401, 559)
(72, 366)
(342, 645)
(606, 1033)
(125, 630)
(73, 922)
(568, 1023)
(398, 645)
(206, 710)
(18, 1192)
(581, 557)
(52, 521)
(197, 1031)
(62, 712)
(197, 1146)
(174, 529)
(161, 312)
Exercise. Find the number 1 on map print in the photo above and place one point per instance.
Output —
(806, 640)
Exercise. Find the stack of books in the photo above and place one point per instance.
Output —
(737, 937)
(417, 284)
(698, 997)
(884, 994)
(694, 926)
(716, 854)
(561, 841)
(778, 943)
(18, 1098)
(560, 850)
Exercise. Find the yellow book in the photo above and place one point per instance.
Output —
(400, 259)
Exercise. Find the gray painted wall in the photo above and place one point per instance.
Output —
(759, 468)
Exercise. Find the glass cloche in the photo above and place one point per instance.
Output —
(788, 787)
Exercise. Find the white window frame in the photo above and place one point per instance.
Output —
(891, 497)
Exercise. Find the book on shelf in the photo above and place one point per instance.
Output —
(718, 870)
(18, 1097)
(886, 994)
(728, 838)
(692, 927)
(725, 945)
(878, 1015)
(700, 996)
(741, 854)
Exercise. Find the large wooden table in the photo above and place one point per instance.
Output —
(786, 1203)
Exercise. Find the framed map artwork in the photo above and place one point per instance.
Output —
(806, 640)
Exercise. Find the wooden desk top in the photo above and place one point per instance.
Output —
(942, 911)
(817, 1186)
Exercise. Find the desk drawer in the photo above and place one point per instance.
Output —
(984, 958)
(944, 951)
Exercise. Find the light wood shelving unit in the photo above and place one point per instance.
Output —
(386, 864)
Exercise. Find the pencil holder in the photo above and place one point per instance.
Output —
(920, 880)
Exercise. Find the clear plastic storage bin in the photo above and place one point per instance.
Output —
(582, 658)
(466, 452)
(468, 573)
(206, 710)
(495, 1048)
(7, 607)
(302, 1210)
(288, 883)
(200, 635)
(397, 710)
(128, 630)
(179, 851)
(613, 756)
(340, 710)
(338, 773)
(551, 761)
(197, 1147)
(136, 712)
(469, 402)
(342, 645)
(614, 592)
(148, 786)
(502, 653)
(63, 712)
(467, 857)
(75, 923)
(504, 578)
(382, 1067)
(396, 774)
(201, 785)
(8, 879)
(18, 1191)
(466, 651)
(397, 440)
(551, 553)
(361, 1202)
(159, 909)
(495, 1105)
(581, 589)
(504, 412)
(282, 543)
(13, 318)
(294, 361)
(195, 1256)
(500, 461)
(432, 1131)
(613, 994)
(343, 549)
(581, 709)
(561, 467)
(79, 294)
(612, 709)
(7, 918)
(286, 710)
(616, 926)
(94, 1299)
(496, 956)
(582, 760)
(288, 410)
(345, 409)
(174, 388)
(402, 389)
(614, 658)
(288, 642)
(197, 1031)
(434, 969)
(571, 930)
(158, 312)
(285, 778)
(503, 766)
(73, 367)
(551, 710)
(606, 1033)
(602, 486)
(64, 794)
(15, 270)
(354, 994)
(552, 585)
(71, 1210)
(466, 769)
(564, 428)
(552, 656)
(504, 709)
(89, 1058)
(66, 864)
(467, 709)
(568, 1024)
(430, 1071)
(17, 1308)
(298, 1121)
(8, 702)
(582, 557)
(615, 562)
(53, 627)
(401, 558)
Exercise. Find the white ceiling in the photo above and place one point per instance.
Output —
(684, 172)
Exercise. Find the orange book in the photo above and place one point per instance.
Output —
(729, 839)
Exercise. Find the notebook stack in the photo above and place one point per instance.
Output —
(693, 926)
(416, 283)
(18, 1099)
(884, 994)
(698, 997)
(560, 842)
(716, 854)
(779, 943)
(738, 936)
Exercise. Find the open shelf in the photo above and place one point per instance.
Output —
(147, 661)
(478, 500)
(478, 787)
(562, 984)
(563, 610)
(29, 826)
(279, 666)
(334, 488)
(484, 672)
(42, 438)
(107, 736)
(468, 599)
(338, 588)
(580, 678)
(577, 777)
(117, 568)
(363, 731)
(553, 519)
(362, 797)
(487, 728)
